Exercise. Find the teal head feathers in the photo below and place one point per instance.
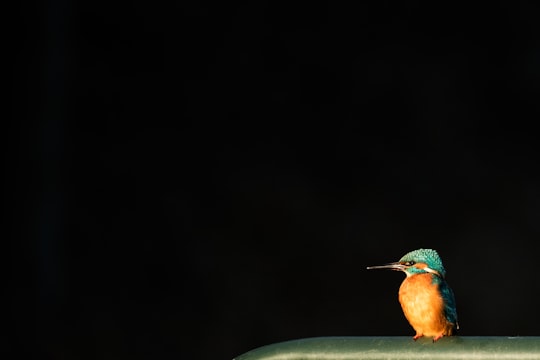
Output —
(417, 262)
(423, 256)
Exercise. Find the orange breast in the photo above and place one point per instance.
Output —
(423, 305)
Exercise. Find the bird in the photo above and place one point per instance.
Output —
(425, 297)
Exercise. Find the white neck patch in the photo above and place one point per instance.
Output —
(430, 270)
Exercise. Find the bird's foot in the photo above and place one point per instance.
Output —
(438, 337)
(417, 336)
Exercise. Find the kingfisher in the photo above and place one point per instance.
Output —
(426, 299)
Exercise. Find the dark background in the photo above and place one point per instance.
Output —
(192, 180)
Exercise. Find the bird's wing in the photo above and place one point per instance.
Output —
(449, 302)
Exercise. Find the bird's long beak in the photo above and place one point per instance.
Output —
(392, 266)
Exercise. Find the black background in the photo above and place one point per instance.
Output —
(191, 180)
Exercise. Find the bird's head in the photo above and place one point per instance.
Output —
(417, 262)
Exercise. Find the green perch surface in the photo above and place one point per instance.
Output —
(389, 348)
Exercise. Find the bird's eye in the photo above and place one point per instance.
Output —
(410, 263)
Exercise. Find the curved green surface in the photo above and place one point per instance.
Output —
(350, 348)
